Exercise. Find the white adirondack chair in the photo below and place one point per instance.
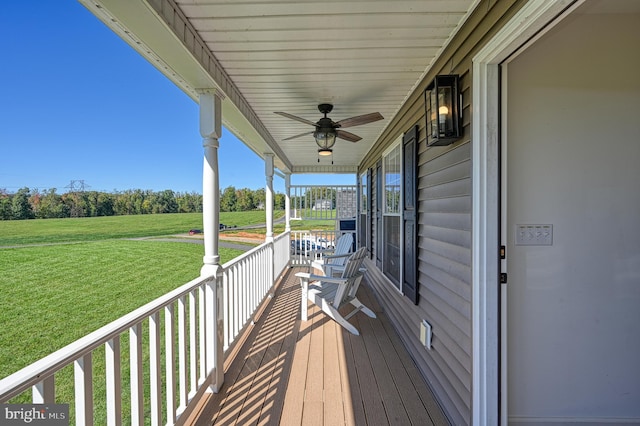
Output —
(328, 263)
(332, 293)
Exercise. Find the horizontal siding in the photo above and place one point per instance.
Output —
(456, 221)
(448, 189)
(447, 235)
(446, 160)
(458, 256)
(454, 173)
(459, 204)
(459, 287)
(457, 305)
(445, 264)
(456, 339)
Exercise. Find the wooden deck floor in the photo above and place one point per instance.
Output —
(290, 372)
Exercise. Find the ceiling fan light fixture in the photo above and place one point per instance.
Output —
(326, 130)
(325, 152)
(325, 138)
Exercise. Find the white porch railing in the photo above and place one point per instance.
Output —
(260, 266)
(334, 204)
(319, 202)
(281, 253)
(179, 334)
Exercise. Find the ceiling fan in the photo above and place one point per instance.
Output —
(326, 130)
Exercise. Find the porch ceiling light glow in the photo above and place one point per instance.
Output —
(443, 111)
(325, 152)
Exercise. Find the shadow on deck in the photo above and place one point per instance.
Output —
(290, 372)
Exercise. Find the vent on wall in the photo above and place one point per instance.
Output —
(425, 334)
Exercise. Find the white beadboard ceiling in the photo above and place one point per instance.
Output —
(264, 56)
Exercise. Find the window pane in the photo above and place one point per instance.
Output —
(392, 181)
(391, 262)
(363, 193)
(362, 231)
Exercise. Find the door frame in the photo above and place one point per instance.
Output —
(489, 389)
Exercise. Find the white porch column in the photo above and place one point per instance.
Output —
(287, 202)
(268, 195)
(211, 131)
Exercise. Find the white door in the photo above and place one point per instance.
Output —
(571, 223)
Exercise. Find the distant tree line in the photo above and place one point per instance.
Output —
(34, 204)
(239, 200)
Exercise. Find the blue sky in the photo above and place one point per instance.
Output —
(77, 103)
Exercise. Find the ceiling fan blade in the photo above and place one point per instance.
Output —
(297, 136)
(293, 117)
(347, 136)
(360, 120)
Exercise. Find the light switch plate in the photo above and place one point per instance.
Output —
(534, 235)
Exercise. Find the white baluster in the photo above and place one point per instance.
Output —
(182, 352)
(44, 392)
(83, 373)
(136, 372)
(113, 382)
(154, 370)
(193, 348)
(170, 363)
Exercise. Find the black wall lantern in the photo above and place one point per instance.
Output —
(444, 113)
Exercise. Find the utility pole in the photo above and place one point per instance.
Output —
(76, 187)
